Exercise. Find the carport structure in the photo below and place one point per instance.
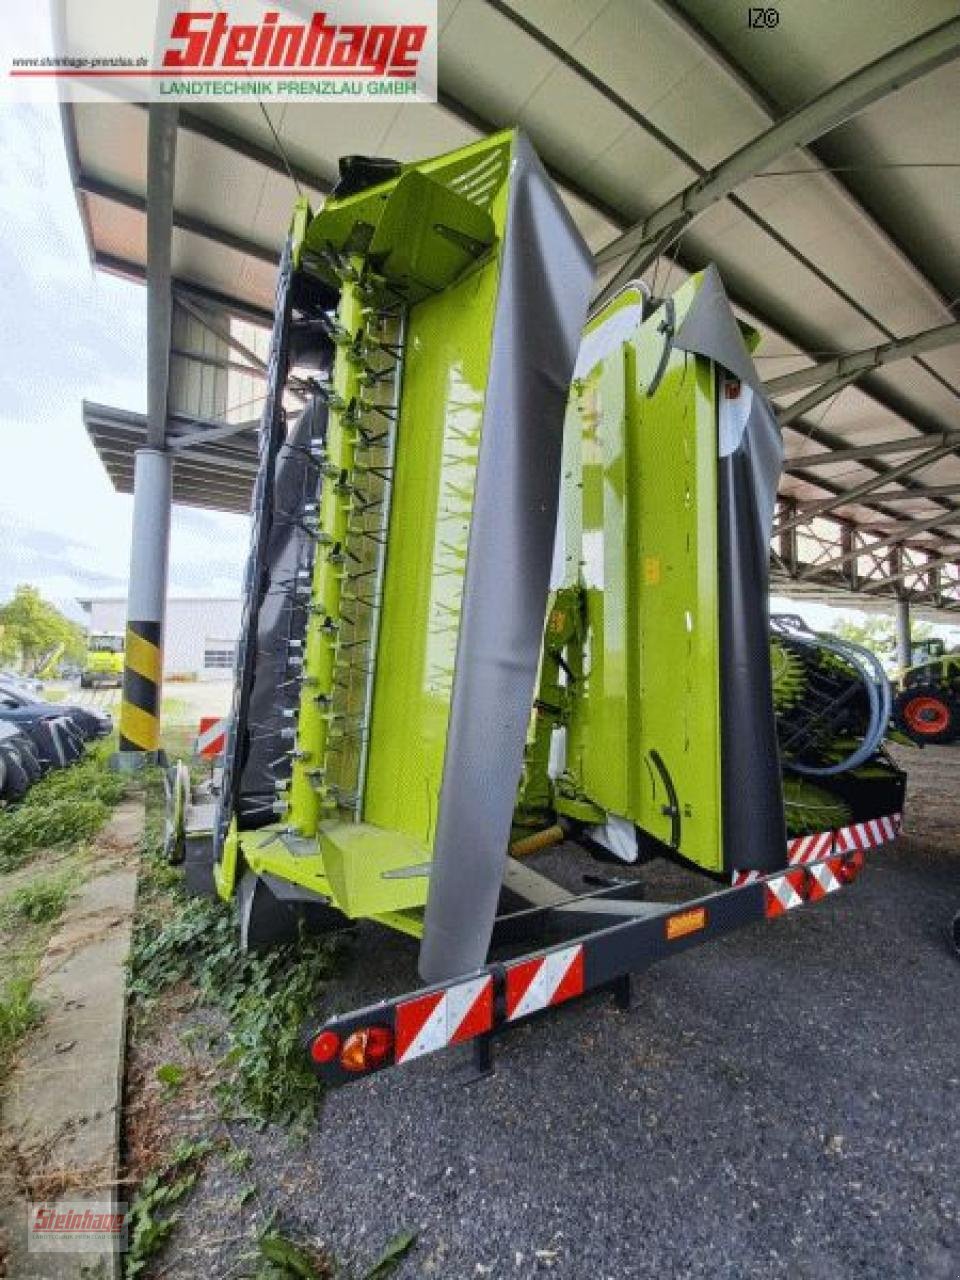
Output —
(816, 162)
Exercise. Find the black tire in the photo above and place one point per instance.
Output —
(28, 761)
(955, 933)
(927, 713)
(16, 783)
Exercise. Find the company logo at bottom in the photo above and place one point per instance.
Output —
(76, 1226)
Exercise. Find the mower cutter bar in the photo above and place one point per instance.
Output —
(477, 1006)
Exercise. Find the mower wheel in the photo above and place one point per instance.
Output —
(927, 713)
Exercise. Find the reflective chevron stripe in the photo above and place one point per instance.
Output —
(785, 892)
(441, 1018)
(543, 981)
(810, 849)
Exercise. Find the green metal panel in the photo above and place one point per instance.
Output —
(447, 356)
(650, 690)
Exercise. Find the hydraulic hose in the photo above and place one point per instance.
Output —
(877, 689)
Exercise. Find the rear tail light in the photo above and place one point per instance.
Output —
(324, 1047)
(850, 867)
(365, 1049)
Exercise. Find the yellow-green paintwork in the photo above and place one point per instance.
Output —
(651, 677)
(638, 605)
(308, 794)
(436, 231)
(444, 381)
(371, 870)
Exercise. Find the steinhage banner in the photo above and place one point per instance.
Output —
(183, 50)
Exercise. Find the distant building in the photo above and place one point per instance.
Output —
(201, 633)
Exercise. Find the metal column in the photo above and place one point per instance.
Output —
(149, 551)
(904, 647)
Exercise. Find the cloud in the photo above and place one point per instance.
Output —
(72, 334)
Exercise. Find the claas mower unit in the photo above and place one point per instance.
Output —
(507, 587)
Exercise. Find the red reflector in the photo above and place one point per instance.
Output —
(731, 390)
(325, 1047)
(850, 868)
(365, 1049)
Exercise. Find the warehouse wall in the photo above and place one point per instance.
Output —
(199, 639)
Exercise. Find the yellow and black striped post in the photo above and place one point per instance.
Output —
(146, 598)
(142, 676)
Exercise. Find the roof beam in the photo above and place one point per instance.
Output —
(867, 452)
(215, 362)
(857, 362)
(205, 435)
(900, 534)
(949, 556)
(643, 243)
(851, 496)
(773, 110)
(815, 397)
(921, 491)
(103, 190)
(134, 271)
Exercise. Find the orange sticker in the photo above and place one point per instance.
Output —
(651, 571)
(685, 922)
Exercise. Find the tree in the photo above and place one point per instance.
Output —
(877, 632)
(30, 627)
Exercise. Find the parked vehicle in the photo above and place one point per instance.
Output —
(927, 704)
(103, 664)
(19, 766)
(27, 684)
(90, 721)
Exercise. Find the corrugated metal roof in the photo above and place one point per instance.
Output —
(846, 244)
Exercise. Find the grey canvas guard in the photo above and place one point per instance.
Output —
(750, 450)
(280, 619)
(544, 291)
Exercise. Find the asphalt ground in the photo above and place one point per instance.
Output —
(785, 1102)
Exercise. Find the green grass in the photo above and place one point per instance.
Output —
(39, 902)
(67, 806)
(61, 811)
(18, 1013)
(266, 997)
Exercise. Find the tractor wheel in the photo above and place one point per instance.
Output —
(927, 713)
(28, 762)
(16, 783)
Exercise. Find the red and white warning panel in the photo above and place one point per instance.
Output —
(212, 738)
(810, 849)
(543, 981)
(868, 835)
(452, 1016)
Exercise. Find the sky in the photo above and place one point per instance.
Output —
(68, 334)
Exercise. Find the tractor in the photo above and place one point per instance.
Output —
(927, 703)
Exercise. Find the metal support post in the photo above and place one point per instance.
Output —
(149, 551)
(904, 646)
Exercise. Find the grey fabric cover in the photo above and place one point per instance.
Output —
(280, 619)
(750, 462)
(544, 291)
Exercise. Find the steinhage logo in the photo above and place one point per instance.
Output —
(210, 41)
